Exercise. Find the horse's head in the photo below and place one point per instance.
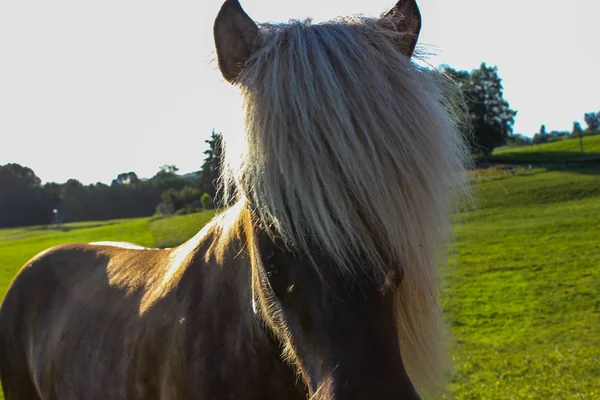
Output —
(349, 158)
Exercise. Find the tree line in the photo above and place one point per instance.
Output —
(24, 200)
(487, 118)
(592, 120)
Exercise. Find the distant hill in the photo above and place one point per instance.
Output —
(190, 175)
(564, 150)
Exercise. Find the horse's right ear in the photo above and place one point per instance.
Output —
(235, 34)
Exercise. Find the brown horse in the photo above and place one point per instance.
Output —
(320, 282)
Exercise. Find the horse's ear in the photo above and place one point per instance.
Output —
(406, 18)
(234, 33)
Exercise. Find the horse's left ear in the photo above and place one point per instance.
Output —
(406, 18)
(235, 33)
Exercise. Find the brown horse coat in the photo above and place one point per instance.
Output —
(104, 322)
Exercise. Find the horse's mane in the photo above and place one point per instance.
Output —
(352, 147)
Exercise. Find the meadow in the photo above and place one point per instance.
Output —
(563, 150)
(521, 292)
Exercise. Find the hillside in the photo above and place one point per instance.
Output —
(522, 291)
(550, 152)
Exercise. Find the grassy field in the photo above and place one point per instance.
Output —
(551, 152)
(19, 245)
(522, 292)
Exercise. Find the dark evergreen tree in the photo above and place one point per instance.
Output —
(211, 168)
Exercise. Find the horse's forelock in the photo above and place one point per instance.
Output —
(350, 145)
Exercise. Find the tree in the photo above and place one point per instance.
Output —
(592, 120)
(76, 201)
(211, 168)
(190, 196)
(23, 177)
(168, 169)
(127, 178)
(207, 202)
(517, 139)
(541, 136)
(577, 131)
(167, 178)
(23, 200)
(490, 116)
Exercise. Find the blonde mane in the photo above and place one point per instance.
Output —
(352, 147)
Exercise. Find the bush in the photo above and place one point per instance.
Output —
(188, 196)
(165, 208)
(206, 200)
(187, 209)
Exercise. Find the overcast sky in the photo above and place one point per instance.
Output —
(92, 89)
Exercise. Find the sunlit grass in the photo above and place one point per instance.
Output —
(522, 292)
(551, 152)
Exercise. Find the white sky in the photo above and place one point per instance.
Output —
(92, 89)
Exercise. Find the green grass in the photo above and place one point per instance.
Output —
(19, 245)
(523, 295)
(522, 291)
(551, 152)
(172, 231)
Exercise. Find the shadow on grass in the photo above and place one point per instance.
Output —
(68, 228)
(583, 169)
(546, 157)
(586, 166)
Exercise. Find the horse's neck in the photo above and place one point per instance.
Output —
(237, 243)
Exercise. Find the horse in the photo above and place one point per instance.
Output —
(320, 281)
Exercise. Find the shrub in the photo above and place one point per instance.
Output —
(182, 211)
(206, 200)
(165, 208)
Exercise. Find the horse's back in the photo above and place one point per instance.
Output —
(76, 318)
